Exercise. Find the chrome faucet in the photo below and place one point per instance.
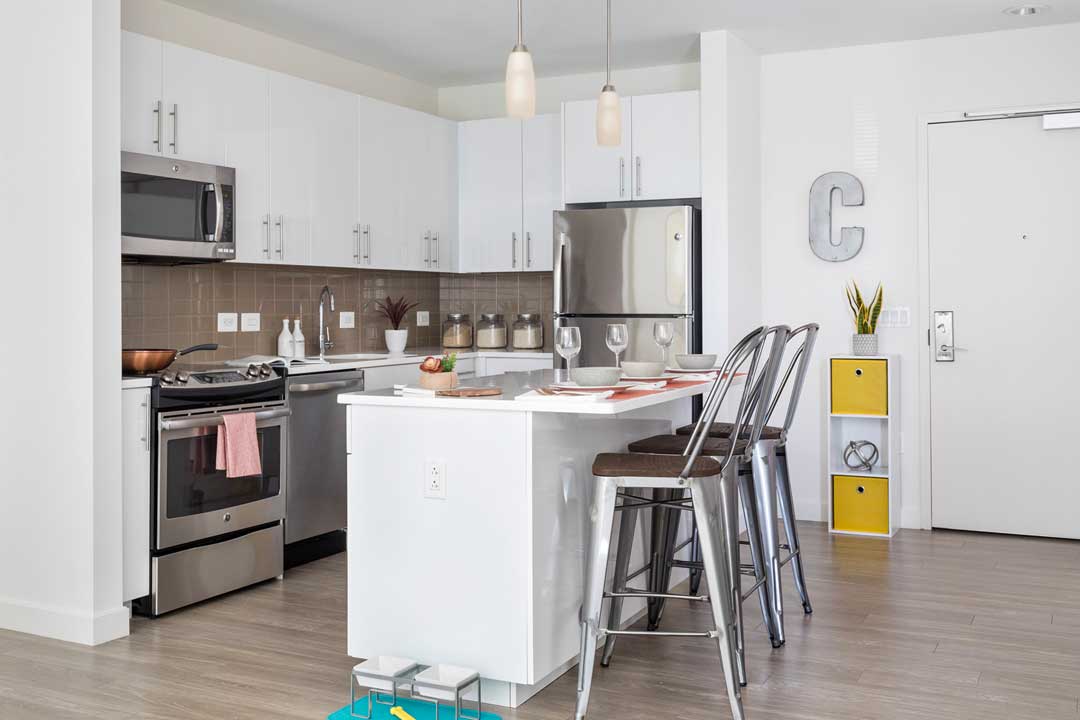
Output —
(324, 329)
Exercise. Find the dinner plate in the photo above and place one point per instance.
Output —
(621, 387)
(658, 378)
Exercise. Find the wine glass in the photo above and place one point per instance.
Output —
(568, 345)
(663, 333)
(617, 338)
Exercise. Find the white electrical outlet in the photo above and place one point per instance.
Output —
(435, 479)
(422, 318)
(346, 320)
(226, 322)
(250, 322)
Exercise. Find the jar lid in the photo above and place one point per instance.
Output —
(457, 317)
(529, 317)
(491, 317)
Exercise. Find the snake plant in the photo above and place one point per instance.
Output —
(866, 316)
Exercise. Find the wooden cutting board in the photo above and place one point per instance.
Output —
(467, 392)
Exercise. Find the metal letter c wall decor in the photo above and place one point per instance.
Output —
(851, 238)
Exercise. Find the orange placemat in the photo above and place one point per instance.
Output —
(672, 385)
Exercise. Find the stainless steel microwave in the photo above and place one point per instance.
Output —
(174, 210)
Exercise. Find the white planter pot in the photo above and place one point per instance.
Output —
(396, 340)
(863, 344)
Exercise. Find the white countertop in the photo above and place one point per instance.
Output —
(515, 384)
(343, 363)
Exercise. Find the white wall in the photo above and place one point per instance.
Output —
(857, 109)
(191, 28)
(474, 102)
(60, 554)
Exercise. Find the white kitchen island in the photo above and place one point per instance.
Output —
(489, 577)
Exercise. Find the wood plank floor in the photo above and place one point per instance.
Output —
(928, 625)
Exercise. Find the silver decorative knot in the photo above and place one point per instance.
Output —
(861, 455)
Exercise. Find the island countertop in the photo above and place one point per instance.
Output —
(514, 385)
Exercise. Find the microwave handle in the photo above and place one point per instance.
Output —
(219, 211)
(212, 420)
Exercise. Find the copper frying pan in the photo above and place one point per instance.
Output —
(142, 362)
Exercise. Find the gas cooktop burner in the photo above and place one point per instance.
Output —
(214, 378)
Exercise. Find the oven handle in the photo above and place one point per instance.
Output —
(212, 420)
(317, 387)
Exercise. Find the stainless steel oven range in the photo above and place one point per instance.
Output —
(211, 534)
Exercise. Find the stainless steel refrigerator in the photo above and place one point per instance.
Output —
(632, 265)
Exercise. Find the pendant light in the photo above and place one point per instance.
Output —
(608, 114)
(520, 78)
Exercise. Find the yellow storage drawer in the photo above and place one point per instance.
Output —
(861, 504)
(860, 387)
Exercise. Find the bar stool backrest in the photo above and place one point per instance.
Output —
(745, 354)
(799, 365)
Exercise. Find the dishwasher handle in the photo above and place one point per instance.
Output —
(322, 386)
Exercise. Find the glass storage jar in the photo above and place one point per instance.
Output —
(528, 332)
(457, 331)
(491, 332)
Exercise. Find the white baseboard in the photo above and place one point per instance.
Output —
(62, 623)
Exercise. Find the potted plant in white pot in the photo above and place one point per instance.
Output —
(864, 341)
(395, 311)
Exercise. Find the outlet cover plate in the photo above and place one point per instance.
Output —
(423, 319)
(226, 322)
(435, 479)
(250, 322)
(346, 320)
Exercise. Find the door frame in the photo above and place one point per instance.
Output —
(925, 120)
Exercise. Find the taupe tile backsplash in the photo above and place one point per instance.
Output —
(174, 307)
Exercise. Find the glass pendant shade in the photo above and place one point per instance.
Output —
(608, 118)
(520, 84)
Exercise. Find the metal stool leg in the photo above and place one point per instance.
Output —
(627, 526)
(603, 519)
(665, 532)
(787, 512)
(763, 460)
(729, 510)
(707, 509)
(753, 535)
(695, 557)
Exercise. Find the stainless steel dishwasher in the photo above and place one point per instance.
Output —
(315, 502)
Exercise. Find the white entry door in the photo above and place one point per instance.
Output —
(1005, 260)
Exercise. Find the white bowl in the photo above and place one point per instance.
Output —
(642, 368)
(596, 376)
(696, 362)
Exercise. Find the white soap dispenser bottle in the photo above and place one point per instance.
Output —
(285, 340)
(298, 340)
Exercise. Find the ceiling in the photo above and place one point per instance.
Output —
(460, 42)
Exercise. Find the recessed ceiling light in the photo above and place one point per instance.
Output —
(1025, 10)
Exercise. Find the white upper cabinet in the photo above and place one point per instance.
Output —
(380, 208)
(193, 89)
(490, 206)
(592, 172)
(142, 107)
(666, 145)
(660, 155)
(443, 193)
(333, 184)
(541, 180)
(292, 147)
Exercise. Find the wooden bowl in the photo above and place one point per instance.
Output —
(438, 381)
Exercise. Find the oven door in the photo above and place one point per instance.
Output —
(195, 500)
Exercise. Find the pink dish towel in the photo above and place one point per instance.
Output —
(238, 446)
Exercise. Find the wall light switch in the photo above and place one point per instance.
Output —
(226, 322)
(435, 479)
(895, 317)
(346, 320)
(250, 322)
(422, 318)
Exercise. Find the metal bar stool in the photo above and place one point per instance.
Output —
(712, 497)
(751, 418)
(797, 368)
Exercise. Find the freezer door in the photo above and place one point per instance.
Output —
(633, 261)
(594, 351)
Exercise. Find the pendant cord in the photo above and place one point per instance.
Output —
(521, 32)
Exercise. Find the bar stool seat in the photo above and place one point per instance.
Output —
(723, 430)
(676, 445)
(659, 465)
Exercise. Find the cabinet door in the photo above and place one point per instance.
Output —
(292, 145)
(592, 172)
(135, 497)
(245, 133)
(194, 88)
(501, 365)
(489, 156)
(442, 163)
(141, 123)
(666, 145)
(333, 183)
(541, 187)
(379, 140)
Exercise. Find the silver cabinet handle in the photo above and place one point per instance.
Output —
(528, 249)
(266, 234)
(145, 439)
(435, 255)
(622, 177)
(212, 420)
(356, 242)
(280, 224)
(157, 125)
(319, 387)
(637, 174)
(427, 248)
(513, 249)
(175, 115)
(367, 243)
